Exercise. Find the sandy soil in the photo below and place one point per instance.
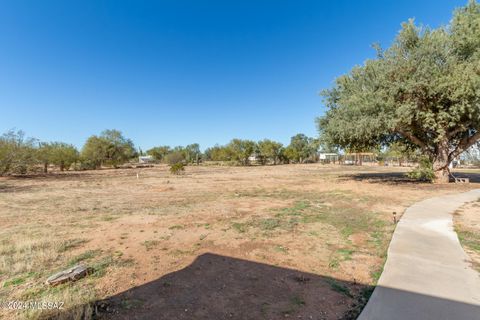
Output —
(302, 241)
(467, 225)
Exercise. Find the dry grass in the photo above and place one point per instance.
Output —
(329, 221)
(467, 226)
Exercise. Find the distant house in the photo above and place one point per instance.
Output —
(360, 158)
(327, 157)
(253, 158)
(145, 159)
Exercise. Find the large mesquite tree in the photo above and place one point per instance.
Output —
(423, 91)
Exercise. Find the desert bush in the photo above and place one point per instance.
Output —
(175, 157)
(177, 168)
(424, 171)
(60, 154)
(17, 153)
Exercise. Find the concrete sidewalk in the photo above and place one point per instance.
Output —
(427, 274)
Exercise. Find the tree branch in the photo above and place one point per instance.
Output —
(415, 140)
(464, 144)
(460, 128)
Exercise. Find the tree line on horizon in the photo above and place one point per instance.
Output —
(21, 155)
(239, 151)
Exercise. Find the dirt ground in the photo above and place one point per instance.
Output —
(291, 241)
(467, 226)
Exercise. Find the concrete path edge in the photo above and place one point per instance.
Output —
(427, 274)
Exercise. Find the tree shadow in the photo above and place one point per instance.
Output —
(8, 188)
(473, 176)
(8, 185)
(395, 178)
(66, 175)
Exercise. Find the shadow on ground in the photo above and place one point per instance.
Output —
(220, 287)
(401, 177)
(473, 176)
(381, 177)
(66, 175)
(394, 304)
(7, 188)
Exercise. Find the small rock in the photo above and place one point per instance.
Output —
(71, 274)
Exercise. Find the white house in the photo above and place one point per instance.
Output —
(145, 159)
(327, 157)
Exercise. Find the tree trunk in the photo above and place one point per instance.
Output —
(440, 164)
(442, 175)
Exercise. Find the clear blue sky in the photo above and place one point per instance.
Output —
(176, 72)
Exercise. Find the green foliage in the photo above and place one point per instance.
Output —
(219, 153)
(60, 154)
(302, 149)
(13, 282)
(241, 150)
(87, 255)
(93, 153)
(192, 153)
(270, 151)
(400, 150)
(236, 151)
(20, 155)
(422, 91)
(17, 153)
(110, 148)
(177, 168)
(175, 157)
(424, 171)
(159, 153)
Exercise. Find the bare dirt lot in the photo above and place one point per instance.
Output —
(467, 226)
(298, 241)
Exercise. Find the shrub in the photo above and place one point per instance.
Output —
(17, 153)
(174, 158)
(177, 168)
(424, 172)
